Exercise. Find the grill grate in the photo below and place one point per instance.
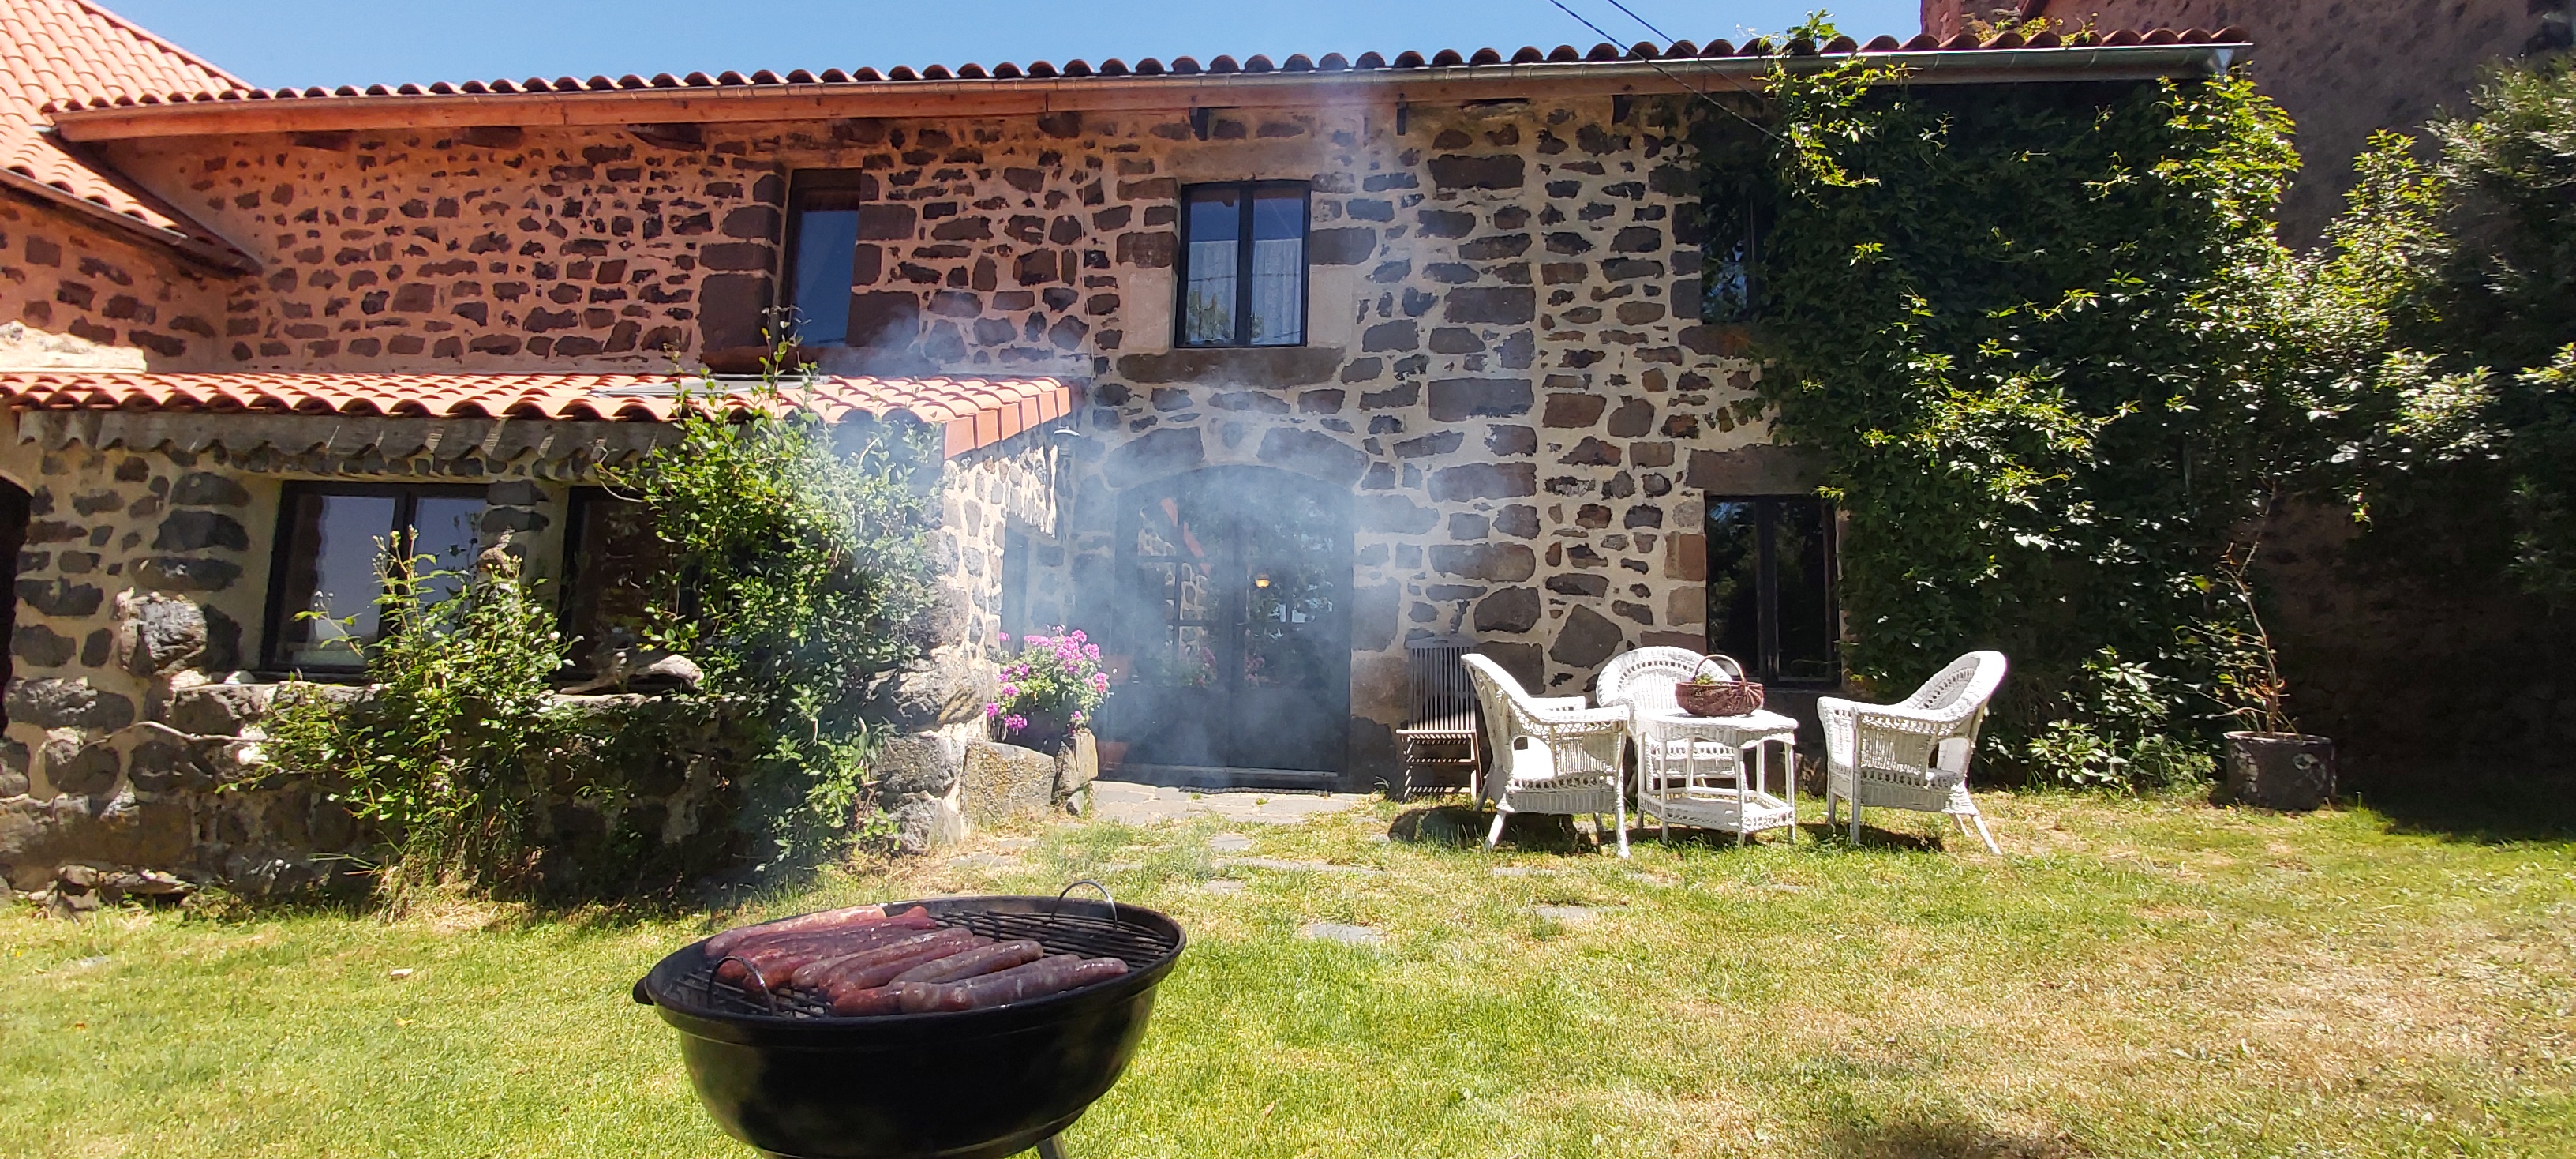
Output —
(1090, 937)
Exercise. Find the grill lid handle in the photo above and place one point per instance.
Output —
(640, 996)
(1104, 896)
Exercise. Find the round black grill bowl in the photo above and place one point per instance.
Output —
(967, 1085)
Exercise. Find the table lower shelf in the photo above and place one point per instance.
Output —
(1732, 810)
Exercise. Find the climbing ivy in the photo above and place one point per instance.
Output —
(2055, 366)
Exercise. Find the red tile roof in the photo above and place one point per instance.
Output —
(1181, 66)
(74, 52)
(971, 412)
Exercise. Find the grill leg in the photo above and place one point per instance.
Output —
(1051, 1147)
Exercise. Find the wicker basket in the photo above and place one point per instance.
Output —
(1722, 698)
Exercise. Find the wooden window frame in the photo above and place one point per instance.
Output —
(1243, 266)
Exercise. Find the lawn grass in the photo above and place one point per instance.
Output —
(2133, 978)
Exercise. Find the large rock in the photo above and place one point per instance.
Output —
(927, 824)
(80, 768)
(156, 634)
(1004, 780)
(1077, 764)
(37, 836)
(54, 702)
(220, 709)
(917, 765)
(947, 688)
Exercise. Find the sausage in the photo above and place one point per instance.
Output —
(975, 962)
(873, 1000)
(828, 942)
(819, 974)
(1037, 979)
(774, 959)
(822, 922)
(876, 966)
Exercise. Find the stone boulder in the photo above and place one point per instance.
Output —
(219, 709)
(158, 634)
(1004, 780)
(54, 702)
(1077, 764)
(918, 778)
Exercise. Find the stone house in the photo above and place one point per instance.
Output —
(1258, 370)
(2343, 69)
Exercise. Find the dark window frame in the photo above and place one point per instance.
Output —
(791, 236)
(581, 508)
(281, 567)
(1244, 241)
(1764, 664)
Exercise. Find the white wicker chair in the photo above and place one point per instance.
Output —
(1644, 677)
(1912, 755)
(1550, 753)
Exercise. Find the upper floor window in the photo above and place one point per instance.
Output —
(331, 540)
(822, 245)
(1243, 264)
(1771, 587)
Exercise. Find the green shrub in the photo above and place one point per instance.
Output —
(799, 581)
(440, 755)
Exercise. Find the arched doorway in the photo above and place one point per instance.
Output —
(1234, 610)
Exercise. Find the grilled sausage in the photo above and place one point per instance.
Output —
(1037, 979)
(909, 950)
(826, 920)
(873, 1000)
(877, 966)
(973, 963)
(775, 959)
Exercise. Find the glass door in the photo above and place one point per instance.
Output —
(1237, 619)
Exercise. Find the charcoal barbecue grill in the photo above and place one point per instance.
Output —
(780, 1073)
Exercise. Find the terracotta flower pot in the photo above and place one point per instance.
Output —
(2289, 771)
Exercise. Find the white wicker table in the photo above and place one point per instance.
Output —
(1690, 770)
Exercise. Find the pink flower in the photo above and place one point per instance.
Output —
(992, 710)
(1005, 636)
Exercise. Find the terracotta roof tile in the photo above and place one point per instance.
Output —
(1331, 62)
(71, 52)
(971, 412)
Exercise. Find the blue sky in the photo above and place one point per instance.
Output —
(334, 42)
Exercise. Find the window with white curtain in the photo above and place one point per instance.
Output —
(1243, 264)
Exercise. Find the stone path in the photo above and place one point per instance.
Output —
(1153, 804)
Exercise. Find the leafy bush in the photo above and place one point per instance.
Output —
(2056, 364)
(440, 753)
(799, 581)
(2466, 267)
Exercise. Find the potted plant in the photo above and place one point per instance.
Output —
(2271, 764)
(1050, 690)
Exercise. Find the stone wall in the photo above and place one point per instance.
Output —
(75, 294)
(2343, 70)
(1503, 360)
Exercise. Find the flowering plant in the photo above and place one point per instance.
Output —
(1058, 676)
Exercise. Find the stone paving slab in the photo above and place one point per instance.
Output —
(1345, 934)
(1280, 865)
(1153, 804)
